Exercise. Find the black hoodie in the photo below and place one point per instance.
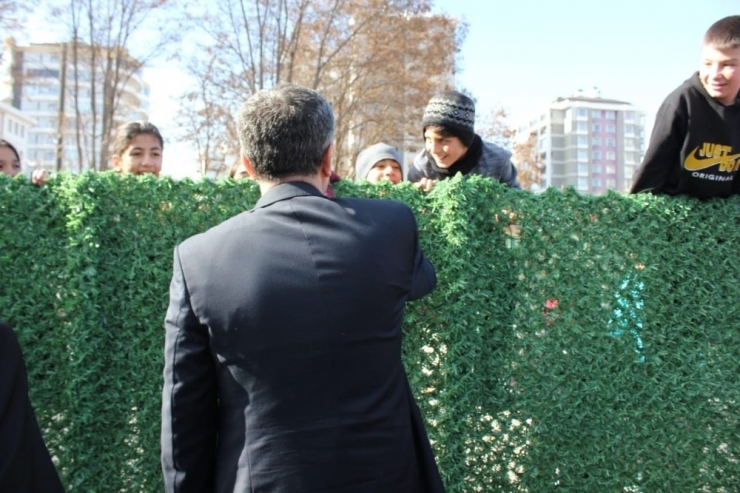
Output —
(695, 146)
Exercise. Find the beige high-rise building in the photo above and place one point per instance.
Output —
(43, 82)
(588, 142)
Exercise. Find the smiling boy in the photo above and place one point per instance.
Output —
(379, 162)
(695, 145)
(451, 145)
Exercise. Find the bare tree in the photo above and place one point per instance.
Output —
(494, 127)
(529, 163)
(10, 14)
(105, 75)
(369, 58)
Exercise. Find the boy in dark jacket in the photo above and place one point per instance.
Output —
(695, 145)
(451, 145)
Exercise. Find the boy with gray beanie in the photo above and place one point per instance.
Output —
(451, 145)
(379, 162)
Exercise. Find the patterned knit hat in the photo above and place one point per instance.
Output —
(453, 111)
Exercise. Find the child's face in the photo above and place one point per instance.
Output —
(385, 169)
(720, 73)
(9, 165)
(445, 150)
(143, 155)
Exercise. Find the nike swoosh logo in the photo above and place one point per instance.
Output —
(692, 163)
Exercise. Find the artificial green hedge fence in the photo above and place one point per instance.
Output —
(574, 343)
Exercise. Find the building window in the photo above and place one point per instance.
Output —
(595, 114)
(42, 72)
(610, 169)
(596, 169)
(581, 127)
(596, 154)
(611, 183)
(595, 141)
(629, 116)
(582, 155)
(596, 128)
(595, 182)
(582, 113)
(629, 130)
(610, 129)
(32, 57)
(582, 183)
(611, 115)
(628, 172)
(582, 141)
(582, 169)
(610, 142)
(611, 155)
(629, 158)
(629, 144)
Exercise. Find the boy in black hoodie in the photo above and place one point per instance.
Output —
(695, 145)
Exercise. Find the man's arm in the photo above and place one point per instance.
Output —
(423, 277)
(664, 151)
(189, 396)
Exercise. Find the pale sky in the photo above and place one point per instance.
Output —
(525, 54)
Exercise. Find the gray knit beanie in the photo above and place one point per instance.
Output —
(453, 111)
(370, 156)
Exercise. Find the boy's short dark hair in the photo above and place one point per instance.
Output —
(443, 132)
(724, 34)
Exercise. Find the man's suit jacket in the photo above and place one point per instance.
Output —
(283, 367)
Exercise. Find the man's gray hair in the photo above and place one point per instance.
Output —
(285, 131)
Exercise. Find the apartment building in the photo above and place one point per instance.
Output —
(14, 128)
(588, 142)
(64, 94)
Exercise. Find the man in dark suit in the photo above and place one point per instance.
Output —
(283, 367)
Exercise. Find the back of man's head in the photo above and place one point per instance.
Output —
(285, 131)
(724, 34)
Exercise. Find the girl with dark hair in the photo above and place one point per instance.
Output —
(137, 149)
(10, 160)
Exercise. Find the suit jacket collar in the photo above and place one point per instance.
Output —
(287, 191)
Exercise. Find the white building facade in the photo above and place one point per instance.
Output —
(40, 80)
(14, 128)
(588, 142)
